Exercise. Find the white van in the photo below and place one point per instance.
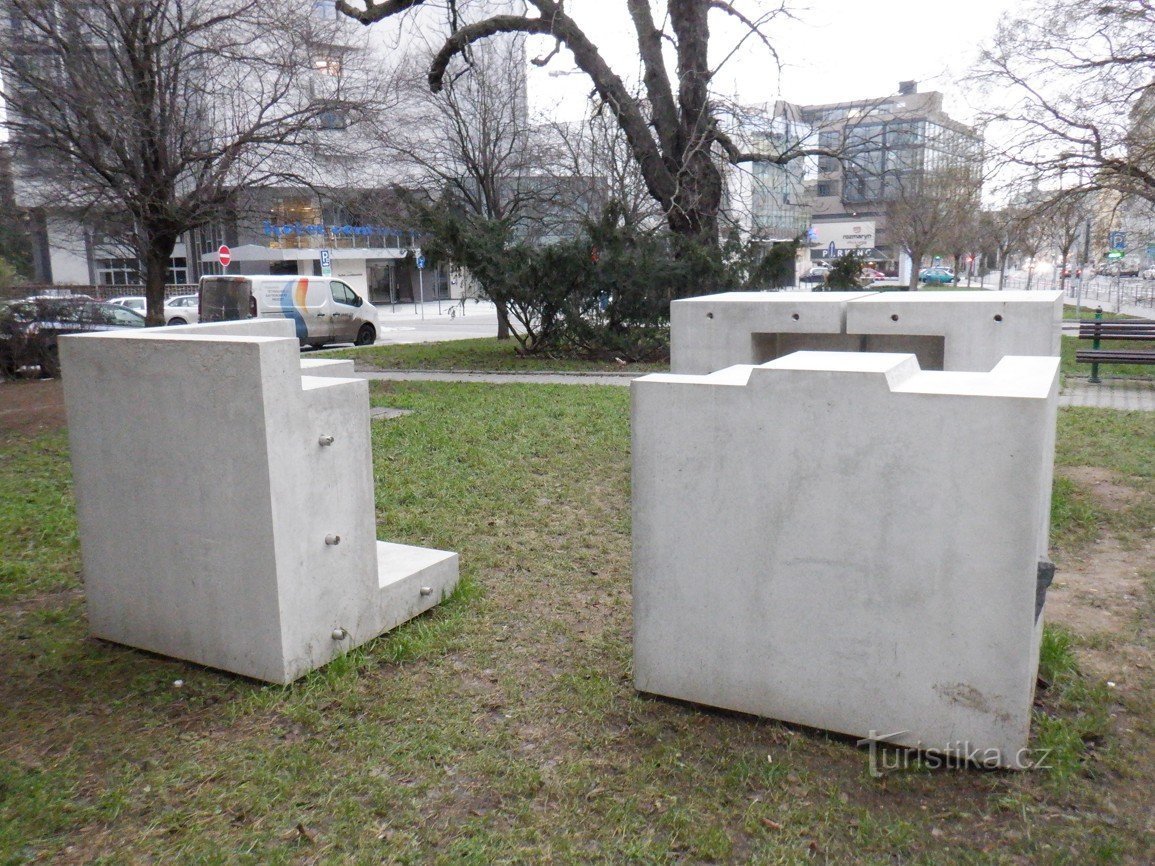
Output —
(324, 310)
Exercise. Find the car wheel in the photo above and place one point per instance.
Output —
(367, 336)
(177, 320)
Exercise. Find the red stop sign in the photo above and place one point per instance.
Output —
(225, 255)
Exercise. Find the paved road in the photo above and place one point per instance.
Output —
(404, 324)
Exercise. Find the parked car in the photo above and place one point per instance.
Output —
(938, 276)
(136, 303)
(182, 310)
(816, 274)
(1148, 273)
(29, 329)
(1120, 269)
(873, 274)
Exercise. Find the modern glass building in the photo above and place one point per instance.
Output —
(882, 151)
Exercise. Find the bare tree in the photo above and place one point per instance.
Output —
(594, 151)
(1065, 217)
(673, 133)
(470, 146)
(1001, 228)
(156, 112)
(926, 208)
(1069, 87)
(1033, 237)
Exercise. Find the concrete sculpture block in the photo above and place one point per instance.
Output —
(716, 331)
(846, 541)
(224, 494)
(945, 330)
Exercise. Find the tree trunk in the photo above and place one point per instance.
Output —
(157, 256)
(915, 263)
(698, 195)
(502, 319)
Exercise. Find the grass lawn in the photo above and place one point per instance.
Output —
(481, 354)
(503, 726)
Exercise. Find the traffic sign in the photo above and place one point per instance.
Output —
(326, 263)
(225, 255)
(1117, 240)
(420, 262)
(1115, 254)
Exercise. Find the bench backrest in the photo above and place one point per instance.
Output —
(1117, 329)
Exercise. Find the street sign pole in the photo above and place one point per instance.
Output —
(421, 282)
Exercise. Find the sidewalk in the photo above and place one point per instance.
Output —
(1127, 395)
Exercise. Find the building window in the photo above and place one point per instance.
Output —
(127, 272)
(177, 274)
(327, 64)
(117, 272)
(827, 188)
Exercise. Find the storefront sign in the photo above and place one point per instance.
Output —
(844, 235)
(298, 229)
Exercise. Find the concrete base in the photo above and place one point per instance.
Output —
(225, 500)
(848, 542)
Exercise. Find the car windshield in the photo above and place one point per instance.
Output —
(120, 316)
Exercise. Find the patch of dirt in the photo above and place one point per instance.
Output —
(1105, 486)
(1101, 598)
(31, 406)
(1101, 594)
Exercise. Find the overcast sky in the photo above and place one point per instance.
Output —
(837, 50)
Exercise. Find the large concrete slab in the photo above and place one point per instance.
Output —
(976, 329)
(945, 330)
(225, 500)
(846, 541)
(716, 331)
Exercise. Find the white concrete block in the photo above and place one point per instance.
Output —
(716, 331)
(846, 541)
(225, 500)
(977, 328)
(327, 367)
(946, 330)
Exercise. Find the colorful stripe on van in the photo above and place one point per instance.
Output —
(293, 305)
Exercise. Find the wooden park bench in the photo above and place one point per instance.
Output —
(1131, 330)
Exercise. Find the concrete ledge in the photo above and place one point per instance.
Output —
(327, 367)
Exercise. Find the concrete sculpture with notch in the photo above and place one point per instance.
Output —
(846, 541)
(224, 494)
(947, 330)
